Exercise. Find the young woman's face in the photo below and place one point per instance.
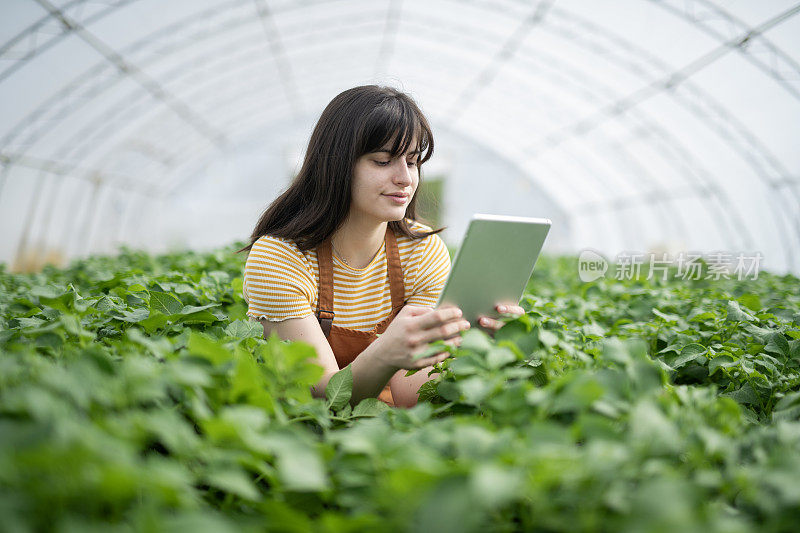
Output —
(383, 187)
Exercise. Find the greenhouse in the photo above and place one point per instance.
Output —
(196, 329)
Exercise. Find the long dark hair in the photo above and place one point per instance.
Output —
(356, 122)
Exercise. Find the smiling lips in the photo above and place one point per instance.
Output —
(399, 198)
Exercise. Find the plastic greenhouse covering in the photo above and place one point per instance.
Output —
(633, 125)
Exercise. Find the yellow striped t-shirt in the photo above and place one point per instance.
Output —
(281, 281)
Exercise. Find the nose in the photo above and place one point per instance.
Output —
(403, 174)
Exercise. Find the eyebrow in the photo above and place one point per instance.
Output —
(385, 151)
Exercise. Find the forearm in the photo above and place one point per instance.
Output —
(370, 374)
(405, 388)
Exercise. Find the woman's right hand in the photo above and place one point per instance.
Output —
(410, 332)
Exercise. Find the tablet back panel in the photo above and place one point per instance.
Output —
(494, 263)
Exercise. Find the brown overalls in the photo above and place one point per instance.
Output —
(348, 343)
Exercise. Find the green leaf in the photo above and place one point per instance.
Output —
(737, 314)
(165, 303)
(744, 395)
(433, 348)
(210, 349)
(135, 316)
(158, 346)
(547, 337)
(245, 329)
(199, 317)
(699, 315)
(665, 316)
(340, 388)
(474, 390)
(751, 301)
(156, 321)
(476, 341)
(519, 334)
(32, 322)
(234, 481)
(299, 464)
(500, 356)
(720, 361)
(370, 407)
(495, 485)
(690, 352)
(594, 330)
(580, 392)
(777, 344)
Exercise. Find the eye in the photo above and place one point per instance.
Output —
(382, 163)
(412, 162)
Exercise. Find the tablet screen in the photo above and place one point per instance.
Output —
(493, 263)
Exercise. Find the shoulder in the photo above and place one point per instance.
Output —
(272, 244)
(421, 243)
(273, 251)
(424, 251)
(431, 243)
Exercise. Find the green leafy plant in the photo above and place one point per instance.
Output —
(135, 394)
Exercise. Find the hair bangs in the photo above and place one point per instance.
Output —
(395, 125)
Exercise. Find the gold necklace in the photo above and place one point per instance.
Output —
(339, 255)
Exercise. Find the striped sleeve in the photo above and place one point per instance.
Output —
(278, 282)
(432, 272)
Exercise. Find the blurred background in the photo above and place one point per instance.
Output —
(635, 125)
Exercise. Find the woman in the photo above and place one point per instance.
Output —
(339, 261)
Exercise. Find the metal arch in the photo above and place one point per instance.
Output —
(506, 52)
(688, 167)
(130, 70)
(278, 52)
(611, 111)
(688, 170)
(715, 111)
(483, 142)
(742, 229)
(393, 12)
(35, 31)
(741, 226)
(48, 167)
(780, 66)
(93, 131)
(65, 100)
(90, 128)
(155, 161)
(69, 97)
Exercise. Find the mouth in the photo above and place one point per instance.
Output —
(399, 198)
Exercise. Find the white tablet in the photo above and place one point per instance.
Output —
(493, 263)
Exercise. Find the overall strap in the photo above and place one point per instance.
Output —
(325, 303)
(325, 262)
(396, 284)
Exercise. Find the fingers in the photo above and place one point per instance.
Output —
(430, 361)
(415, 310)
(438, 317)
(514, 310)
(454, 341)
(444, 332)
(490, 323)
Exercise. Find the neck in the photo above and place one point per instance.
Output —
(358, 241)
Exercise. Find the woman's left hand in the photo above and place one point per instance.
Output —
(491, 325)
